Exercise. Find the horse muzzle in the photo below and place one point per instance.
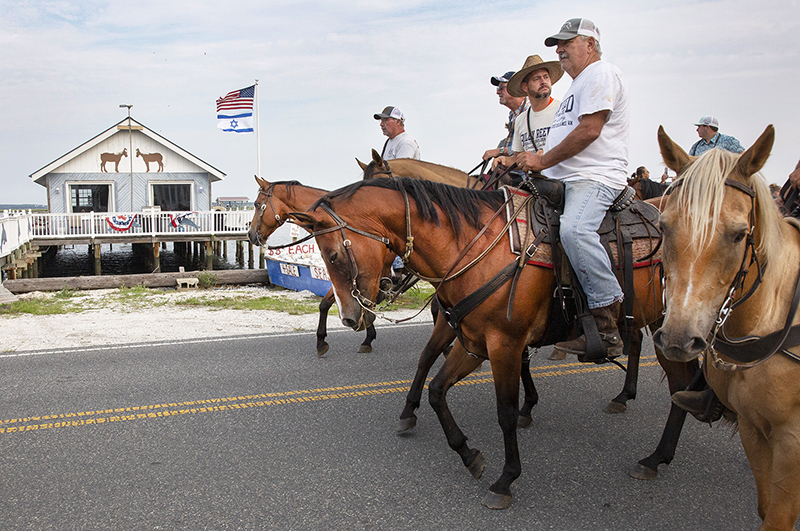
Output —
(679, 345)
(364, 321)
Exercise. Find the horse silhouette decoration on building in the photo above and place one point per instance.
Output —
(112, 157)
(151, 157)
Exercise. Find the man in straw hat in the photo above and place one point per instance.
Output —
(587, 148)
(534, 80)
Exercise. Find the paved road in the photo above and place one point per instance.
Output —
(258, 433)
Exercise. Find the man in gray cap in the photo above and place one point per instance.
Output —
(707, 130)
(516, 104)
(587, 148)
(400, 145)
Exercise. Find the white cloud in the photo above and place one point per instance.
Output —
(325, 67)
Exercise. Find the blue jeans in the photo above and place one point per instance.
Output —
(586, 203)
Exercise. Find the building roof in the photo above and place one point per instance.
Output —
(216, 175)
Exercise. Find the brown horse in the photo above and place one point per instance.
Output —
(719, 216)
(357, 226)
(273, 204)
(415, 169)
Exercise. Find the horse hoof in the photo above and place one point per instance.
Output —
(642, 472)
(615, 408)
(524, 421)
(492, 500)
(364, 349)
(323, 349)
(476, 467)
(406, 424)
(557, 355)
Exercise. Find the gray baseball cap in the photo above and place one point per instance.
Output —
(572, 28)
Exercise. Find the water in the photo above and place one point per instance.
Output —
(119, 259)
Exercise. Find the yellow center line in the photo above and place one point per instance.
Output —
(214, 405)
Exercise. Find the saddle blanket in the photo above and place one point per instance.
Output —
(543, 257)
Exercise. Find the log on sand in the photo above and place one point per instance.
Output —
(148, 280)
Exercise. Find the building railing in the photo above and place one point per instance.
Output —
(120, 224)
(15, 230)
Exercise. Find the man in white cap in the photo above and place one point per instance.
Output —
(707, 130)
(400, 144)
(515, 104)
(587, 148)
(534, 80)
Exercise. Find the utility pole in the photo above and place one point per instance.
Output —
(130, 146)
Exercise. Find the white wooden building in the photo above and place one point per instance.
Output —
(97, 175)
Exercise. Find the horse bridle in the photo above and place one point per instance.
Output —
(749, 351)
(268, 195)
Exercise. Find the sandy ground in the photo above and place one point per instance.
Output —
(104, 320)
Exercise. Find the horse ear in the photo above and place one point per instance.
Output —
(261, 182)
(377, 158)
(674, 156)
(361, 165)
(753, 159)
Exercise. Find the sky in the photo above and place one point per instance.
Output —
(325, 67)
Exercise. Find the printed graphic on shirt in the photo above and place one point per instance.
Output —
(566, 107)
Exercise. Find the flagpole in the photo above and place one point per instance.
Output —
(258, 135)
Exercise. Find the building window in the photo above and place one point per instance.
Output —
(89, 197)
(173, 197)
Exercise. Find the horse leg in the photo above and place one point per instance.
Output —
(441, 337)
(322, 328)
(457, 365)
(620, 403)
(505, 371)
(783, 498)
(366, 346)
(531, 396)
(678, 377)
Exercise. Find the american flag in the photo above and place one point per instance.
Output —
(235, 111)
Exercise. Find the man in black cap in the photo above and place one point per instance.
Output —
(516, 105)
(400, 144)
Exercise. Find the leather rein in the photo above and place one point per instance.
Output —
(749, 351)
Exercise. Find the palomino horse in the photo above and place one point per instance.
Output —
(415, 169)
(719, 217)
(357, 226)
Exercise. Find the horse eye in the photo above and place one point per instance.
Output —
(740, 236)
(333, 257)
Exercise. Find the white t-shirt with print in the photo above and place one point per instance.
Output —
(540, 125)
(403, 146)
(599, 87)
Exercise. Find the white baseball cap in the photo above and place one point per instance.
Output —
(708, 120)
(572, 28)
(390, 112)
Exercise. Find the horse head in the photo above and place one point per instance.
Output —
(271, 210)
(356, 257)
(716, 217)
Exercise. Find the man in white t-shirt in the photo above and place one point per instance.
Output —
(400, 144)
(534, 80)
(587, 148)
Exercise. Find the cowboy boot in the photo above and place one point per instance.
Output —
(703, 405)
(606, 319)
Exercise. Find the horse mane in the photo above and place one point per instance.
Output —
(700, 189)
(459, 204)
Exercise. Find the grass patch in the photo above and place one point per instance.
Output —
(290, 306)
(37, 307)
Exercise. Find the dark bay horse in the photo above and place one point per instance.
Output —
(442, 219)
(718, 218)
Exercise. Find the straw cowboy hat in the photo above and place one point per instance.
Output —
(533, 62)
